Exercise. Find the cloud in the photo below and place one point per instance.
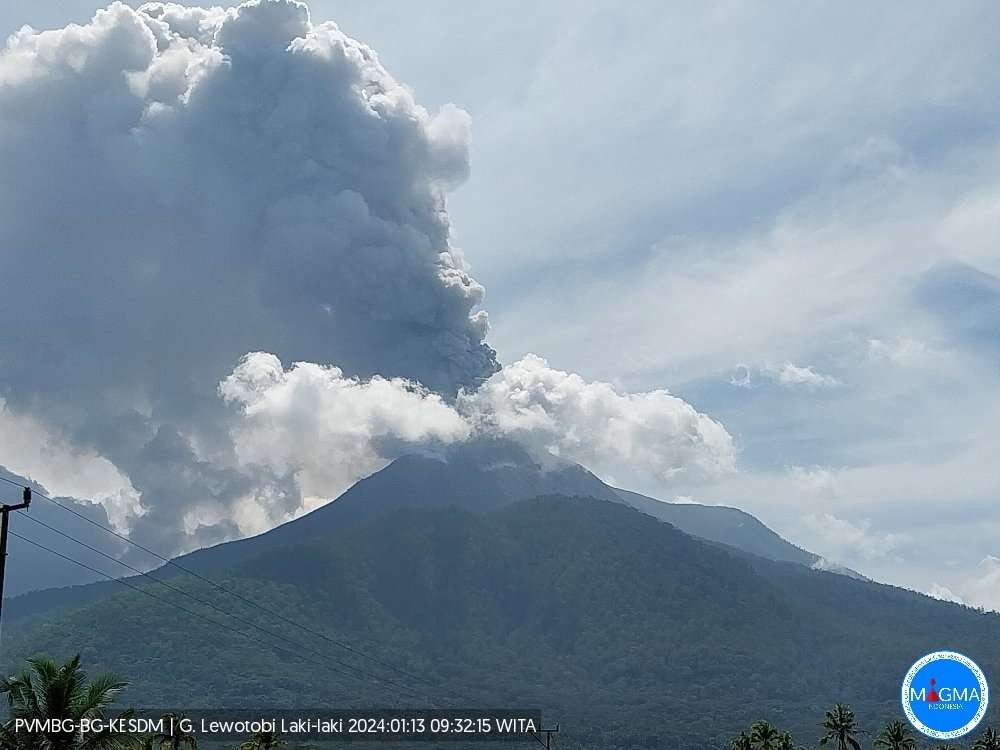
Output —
(921, 522)
(37, 452)
(792, 375)
(944, 593)
(787, 375)
(846, 540)
(182, 186)
(594, 424)
(815, 481)
(328, 430)
(971, 226)
(982, 588)
(29, 567)
(730, 132)
(902, 351)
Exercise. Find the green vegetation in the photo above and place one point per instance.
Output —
(990, 740)
(842, 731)
(45, 690)
(841, 728)
(896, 736)
(627, 632)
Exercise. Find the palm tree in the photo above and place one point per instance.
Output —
(841, 727)
(263, 741)
(896, 736)
(175, 738)
(784, 742)
(988, 740)
(763, 736)
(45, 690)
(741, 742)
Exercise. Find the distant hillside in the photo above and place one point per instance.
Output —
(480, 476)
(730, 526)
(626, 630)
(31, 569)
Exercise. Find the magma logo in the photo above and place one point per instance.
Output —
(945, 695)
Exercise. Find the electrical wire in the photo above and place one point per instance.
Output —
(215, 607)
(229, 591)
(191, 612)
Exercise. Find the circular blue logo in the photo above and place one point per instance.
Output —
(945, 695)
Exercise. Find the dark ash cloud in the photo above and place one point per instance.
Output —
(181, 186)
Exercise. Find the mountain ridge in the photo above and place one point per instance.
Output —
(481, 476)
(611, 621)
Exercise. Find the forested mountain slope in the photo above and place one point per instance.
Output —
(614, 623)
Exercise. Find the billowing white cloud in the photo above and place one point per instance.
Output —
(594, 424)
(328, 428)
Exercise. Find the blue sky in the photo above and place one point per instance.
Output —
(787, 214)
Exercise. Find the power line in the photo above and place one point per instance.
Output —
(206, 603)
(181, 608)
(237, 595)
(151, 595)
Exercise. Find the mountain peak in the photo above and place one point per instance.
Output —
(481, 476)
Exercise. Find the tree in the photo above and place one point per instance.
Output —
(841, 727)
(175, 738)
(785, 742)
(741, 742)
(263, 741)
(896, 736)
(988, 740)
(45, 691)
(763, 736)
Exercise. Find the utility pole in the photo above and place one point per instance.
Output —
(547, 743)
(5, 511)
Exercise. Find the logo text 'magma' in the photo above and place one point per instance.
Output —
(946, 694)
